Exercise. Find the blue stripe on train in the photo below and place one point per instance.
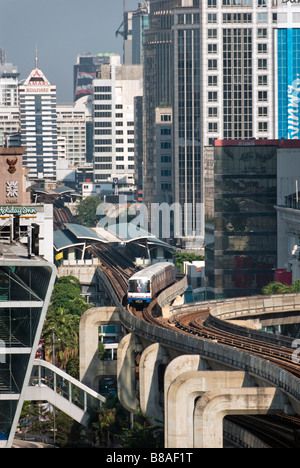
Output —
(145, 299)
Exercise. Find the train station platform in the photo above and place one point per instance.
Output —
(73, 240)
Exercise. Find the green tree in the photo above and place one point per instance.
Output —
(24, 421)
(296, 286)
(62, 323)
(101, 349)
(111, 419)
(69, 433)
(62, 328)
(181, 257)
(276, 287)
(65, 290)
(67, 294)
(41, 419)
(86, 211)
(143, 435)
(104, 425)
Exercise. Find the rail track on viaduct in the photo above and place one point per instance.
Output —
(280, 431)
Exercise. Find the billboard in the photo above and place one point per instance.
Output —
(288, 83)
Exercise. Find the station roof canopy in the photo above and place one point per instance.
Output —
(83, 232)
(75, 235)
(65, 239)
(129, 232)
(59, 190)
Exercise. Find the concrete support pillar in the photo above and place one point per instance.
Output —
(89, 341)
(180, 403)
(179, 365)
(128, 348)
(152, 357)
(212, 407)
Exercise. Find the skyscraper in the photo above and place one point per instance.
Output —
(230, 70)
(38, 125)
(158, 83)
(9, 102)
(85, 71)
(134, 25)
(241, 235)
(114, 91)
(188, 122)
(172, 79)
(73, 120)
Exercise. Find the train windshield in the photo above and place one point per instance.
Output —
(139, 286)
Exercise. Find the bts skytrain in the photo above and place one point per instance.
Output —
(145, 284)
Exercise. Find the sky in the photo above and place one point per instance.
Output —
(61, 29)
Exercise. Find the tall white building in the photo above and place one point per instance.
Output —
(114, 91)
(239, 90)
(9, 103)
(39, 125)
(72, 121)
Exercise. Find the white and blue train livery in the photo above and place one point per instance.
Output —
(145, 284)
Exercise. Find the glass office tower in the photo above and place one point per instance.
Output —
(157, 86)
(241, 232)
(187, 127)
(172, 80)
(229, 69)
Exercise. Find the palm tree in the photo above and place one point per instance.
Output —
(106, 420)
(296, 286)
(64, 327)
(276, 288)
(279, 288)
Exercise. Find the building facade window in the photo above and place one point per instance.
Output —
(212, 18)
(237, 83)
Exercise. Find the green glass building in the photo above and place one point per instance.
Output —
(241, 231)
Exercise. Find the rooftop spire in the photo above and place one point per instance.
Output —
(36, 56)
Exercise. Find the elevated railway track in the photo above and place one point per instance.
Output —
(194, 323)
(116, 267)
(283, 431)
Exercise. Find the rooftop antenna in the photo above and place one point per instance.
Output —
(36, 55)
(119, 32)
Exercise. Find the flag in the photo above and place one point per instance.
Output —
(59, 256)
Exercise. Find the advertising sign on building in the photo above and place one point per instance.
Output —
(12, 187)
(288, 83)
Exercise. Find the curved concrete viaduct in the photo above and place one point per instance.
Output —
(187, 384)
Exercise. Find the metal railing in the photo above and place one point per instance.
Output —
(46, 376)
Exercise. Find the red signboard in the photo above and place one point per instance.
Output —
(283, 276)
(279, 143)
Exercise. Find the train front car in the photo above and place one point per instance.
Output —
(139, 290)
(144, 285)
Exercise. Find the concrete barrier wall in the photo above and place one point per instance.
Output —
(245, 308)
(108, 287)
(241, 437)
(170, 293)
(229, 309)
(231, 357)
(229, 327)
(257, 305)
